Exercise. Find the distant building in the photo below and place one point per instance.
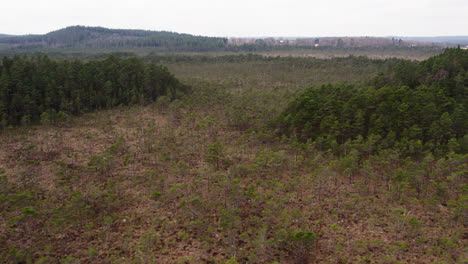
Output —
(465, 48)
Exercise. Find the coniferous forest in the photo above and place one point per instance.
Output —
(99, 37)
(35, 88)
(413, 107)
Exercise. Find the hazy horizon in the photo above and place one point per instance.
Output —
(297, 18)
(258, 36)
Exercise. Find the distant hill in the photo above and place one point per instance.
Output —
(5, 36)
(84, 38)
(99, 37)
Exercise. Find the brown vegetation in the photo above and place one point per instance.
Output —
(200, 180)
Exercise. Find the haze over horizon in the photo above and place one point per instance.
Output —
(297, 18)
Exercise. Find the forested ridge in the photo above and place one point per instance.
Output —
(35, 88)
(413, 108)
(99, 37)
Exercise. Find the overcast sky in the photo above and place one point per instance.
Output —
(244, 17)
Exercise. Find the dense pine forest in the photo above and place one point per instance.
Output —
(36, 88)
(222, 158)
(413, 108)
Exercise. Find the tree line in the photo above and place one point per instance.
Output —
(37, 87)
(414, 107)
(79, 37)
(307, 62)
